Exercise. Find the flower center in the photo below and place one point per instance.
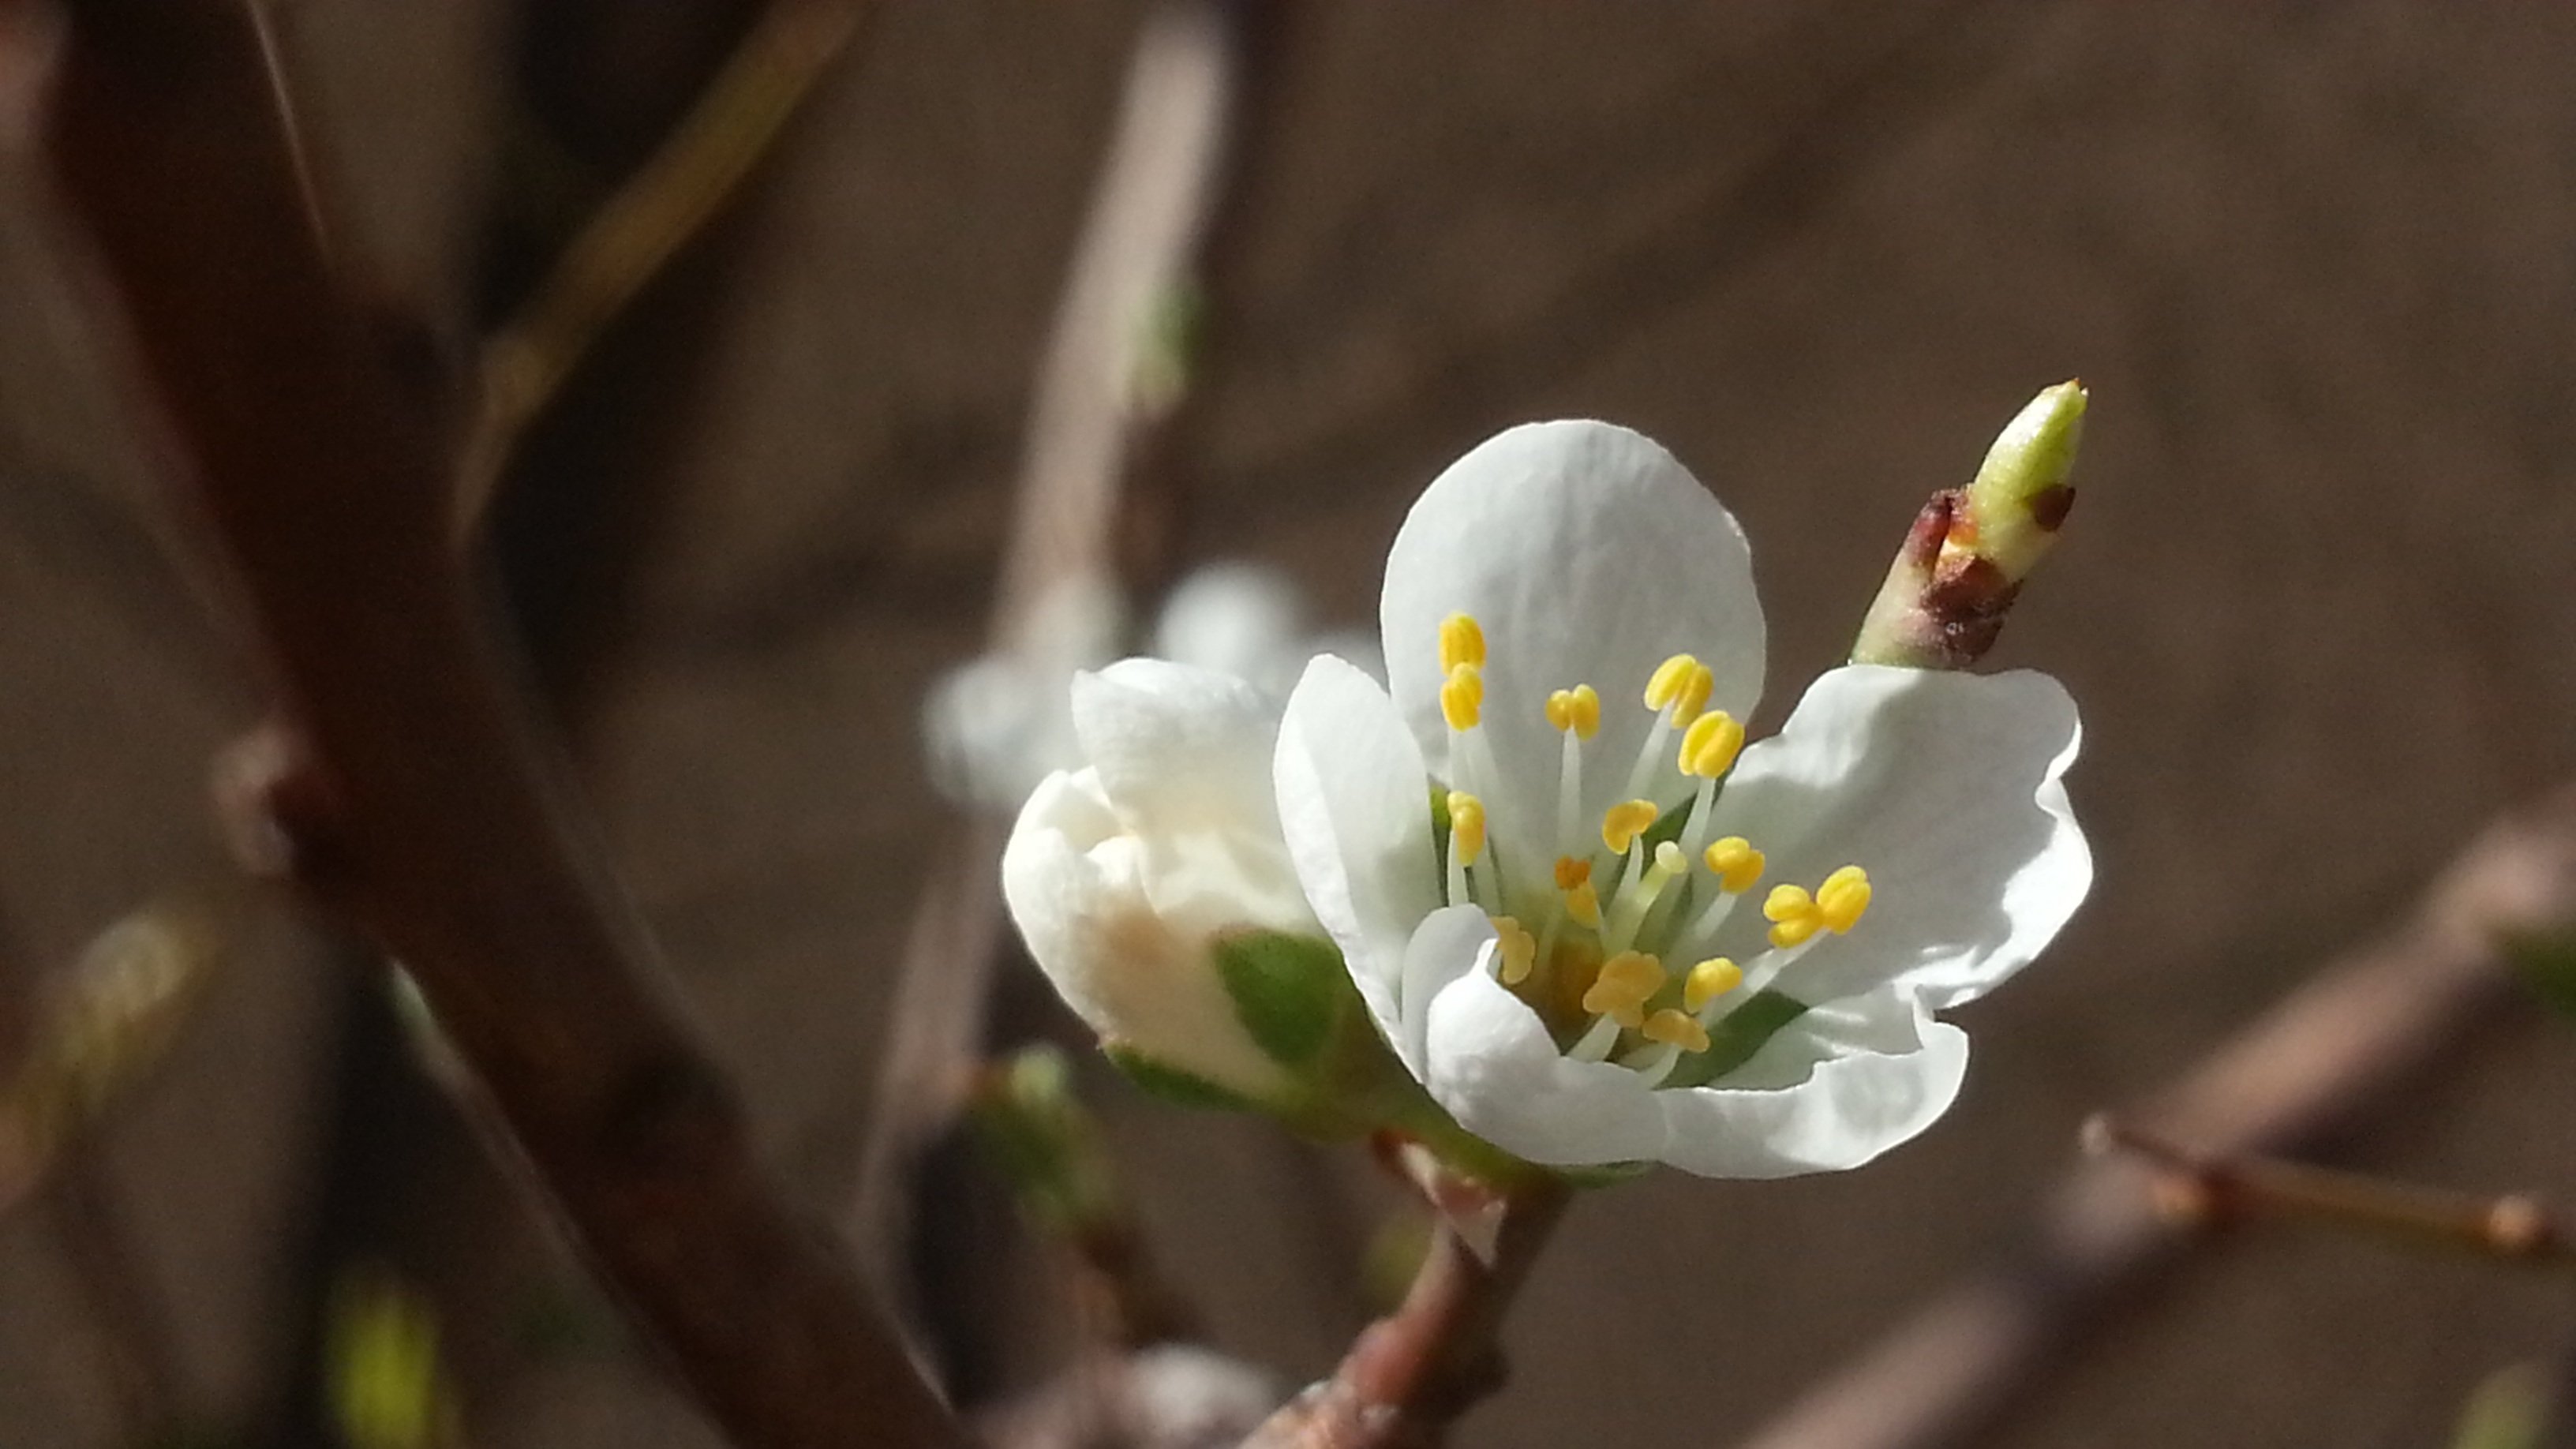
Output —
(1588, 945)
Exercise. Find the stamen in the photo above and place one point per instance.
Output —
(1576, 715)
(1637, 896)
(1583, 903)
(1843, 898)
(1622, 823)
(1682, 685)
(1628, 980)
(1710, 745)
(1737, 865)
(1514, 948)
(1796, 916)
(1466, 825)
(1571, 872)
(1575, 711)
(1466, 841)
(1462, 695)
(1709, 748)
(1708, 981)
(1678, 692)
(1462, 641)
(1676, 1028)
(1596, 1042)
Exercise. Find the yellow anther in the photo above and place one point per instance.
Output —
(1710, 745)
(1571, 872)
(1622, 823)
(1577, 709)
(1516, 949)
(1583, 903)
(1625, 984)
(1842, 898)
(1683, 685)
(1466, 826)
(1665, 684)
(1710, 980)
(1793, 914)
(1675, 1028)
(1735, 863)
(1462, 641)
(1462, 696)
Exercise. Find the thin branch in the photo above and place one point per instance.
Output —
(2205, 1191)
(407, 793)
(1410, 1375)
(651, 219)
(2367, 1023)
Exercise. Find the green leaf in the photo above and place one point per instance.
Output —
(1171, 1084)
(1289, 991)
(1732, 1042)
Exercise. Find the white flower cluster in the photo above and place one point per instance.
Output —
(1591, 921)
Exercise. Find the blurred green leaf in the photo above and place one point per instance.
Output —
(1044, 1141)
(386, 1391)
(2546, 962)
(2510, 1410)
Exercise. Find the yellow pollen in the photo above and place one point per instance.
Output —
(1708, 981)
(1710, 745)
(1793, 915)
(1571, 872)
(1675, 1028)
(1625, 984)
(1466, 826)
(1583, 903)
(1735, 863)
(1462, 641)
(1843, 897)
(1516, 948)
(1681, 684)
(1462, 696)
(1622, 823)
(1577, 709)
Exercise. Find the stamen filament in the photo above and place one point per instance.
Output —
(1596, 1042)
(1637, 894)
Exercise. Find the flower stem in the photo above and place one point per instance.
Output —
(1409, 1375)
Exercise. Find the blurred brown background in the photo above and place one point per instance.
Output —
(2317, 263)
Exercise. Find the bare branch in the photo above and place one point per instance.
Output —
(409, 793)
(2321, 1060)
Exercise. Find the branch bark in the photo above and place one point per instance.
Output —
(406, 791)
(1409, 1375)
(2369, 1022)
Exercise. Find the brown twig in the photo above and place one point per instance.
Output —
(2321, 1060)
(408, 794)
(651, 219)
(2194, 1189)
(1410, 1375)
(1173, 162)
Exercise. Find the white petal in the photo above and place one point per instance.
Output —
(1077, 888)
(1589, 556)
(1948, 789)
(1356, 808)
(1177, 746)
(1448, 944)
(1495, 1069)
(1833, 1090)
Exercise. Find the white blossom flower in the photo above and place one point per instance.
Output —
(1132, 879)
(1592, 923)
